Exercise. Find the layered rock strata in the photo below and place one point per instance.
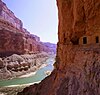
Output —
(77, 67)
(17, 65)
(52, 46)
(14, 38)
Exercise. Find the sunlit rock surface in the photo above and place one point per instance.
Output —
(77, 67)
(16, 39)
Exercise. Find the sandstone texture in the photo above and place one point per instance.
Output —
(14, 39)
(77, 67)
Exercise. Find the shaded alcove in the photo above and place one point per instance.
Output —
(8, 53)
(75, 40)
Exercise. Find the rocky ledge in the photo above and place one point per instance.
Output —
(17, 65)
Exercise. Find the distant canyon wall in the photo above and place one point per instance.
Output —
(14, 38)
(8, 15)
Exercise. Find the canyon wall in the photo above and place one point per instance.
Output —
(77, 67)
(14, 38)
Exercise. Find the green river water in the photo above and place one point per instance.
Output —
(40, 75)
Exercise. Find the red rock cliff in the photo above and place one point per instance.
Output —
(14, 38)
(77, 67)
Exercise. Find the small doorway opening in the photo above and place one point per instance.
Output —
(97, 39)
(84, 40)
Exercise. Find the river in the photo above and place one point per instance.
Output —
(40, 75)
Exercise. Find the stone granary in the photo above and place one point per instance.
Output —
(13, 37)
(90, 39)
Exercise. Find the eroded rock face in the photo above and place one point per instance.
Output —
(53, 47)
(18, 65)
(77, 68)
(11, 43)
(14, 39)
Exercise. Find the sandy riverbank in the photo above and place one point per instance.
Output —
(22, 84)
(20, 65)
(28, 75)
(13, 89)
(32, 73)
